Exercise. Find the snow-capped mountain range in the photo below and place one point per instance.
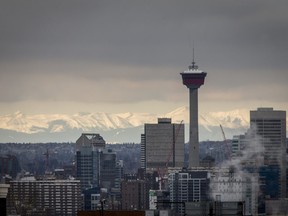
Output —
(121, 127)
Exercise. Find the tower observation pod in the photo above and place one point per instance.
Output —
(193, 78)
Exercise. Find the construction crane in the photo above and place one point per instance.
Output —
(227, 149)
(163, 172)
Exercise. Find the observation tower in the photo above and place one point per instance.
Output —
(193, 78)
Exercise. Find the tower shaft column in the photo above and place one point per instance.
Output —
(193, 79)
(193, 131)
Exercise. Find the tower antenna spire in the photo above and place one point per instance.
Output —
(193, 66)
(193, 54)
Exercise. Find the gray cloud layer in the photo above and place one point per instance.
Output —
(59, 50)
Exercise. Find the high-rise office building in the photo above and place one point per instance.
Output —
(97, 170)
(88, 148)
(162, 145)
(95, 165)
(119, 174)
(108, 170)
(270, 126)
(87, 167)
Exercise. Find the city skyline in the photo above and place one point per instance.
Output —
(126, 56)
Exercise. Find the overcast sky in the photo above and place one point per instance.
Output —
(67, 56)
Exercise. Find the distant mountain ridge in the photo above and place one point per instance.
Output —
(120, 127)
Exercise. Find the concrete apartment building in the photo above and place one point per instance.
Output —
(41, 197)
(162, 145)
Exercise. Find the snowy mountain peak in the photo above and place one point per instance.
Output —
(107, 121)
(179, 114)
(235, 121)
(18, 114)
(230, 119)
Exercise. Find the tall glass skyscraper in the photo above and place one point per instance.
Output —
(88, 149)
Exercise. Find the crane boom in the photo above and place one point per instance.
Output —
(227, 149)
(163, 171)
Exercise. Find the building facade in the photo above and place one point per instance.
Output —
(9, 165)
(134, 195)
(162, 145)
(58, 197)
(88, 156)
(228, 186)
(270, 126)
(87, 167)
(188, 186)
(96, 168)
(108, 169)
(239, 142)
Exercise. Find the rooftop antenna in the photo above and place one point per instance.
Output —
(193, 66)
(193, 54)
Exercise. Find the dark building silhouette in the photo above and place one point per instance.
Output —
(9, 165)
(134, 195)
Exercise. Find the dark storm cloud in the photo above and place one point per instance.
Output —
(234, 42)
(144, 32)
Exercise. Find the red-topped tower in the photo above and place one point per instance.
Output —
(193, 78)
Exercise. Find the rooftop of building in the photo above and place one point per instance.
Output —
(112, 213)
